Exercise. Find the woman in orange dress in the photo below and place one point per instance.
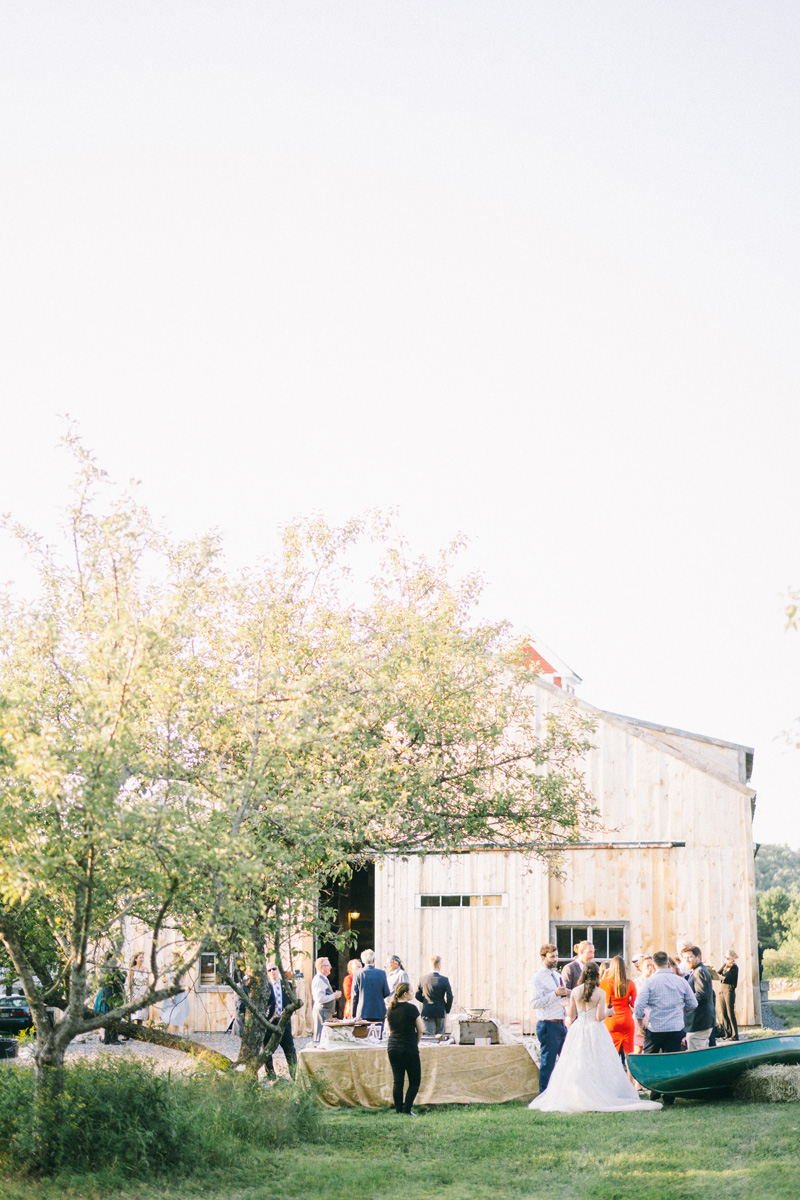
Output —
(621, 996)
(347, 985)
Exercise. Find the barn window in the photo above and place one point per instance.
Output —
(475, 900)
(209, 977)
(608, 940)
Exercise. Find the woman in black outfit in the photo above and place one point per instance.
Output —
(729, 977)
(405, 1027)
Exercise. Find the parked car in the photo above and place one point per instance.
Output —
(15, 1014)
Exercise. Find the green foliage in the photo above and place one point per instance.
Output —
(783, 963)
(187, 746)
(778, 917)
(122, 1116)
(777, 867)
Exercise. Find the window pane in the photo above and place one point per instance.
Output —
(564, 942)
(451, 902)
(493, 901)
(600, 941)
(616, 941)
(429, 901)
(580, 933)
(470, 901)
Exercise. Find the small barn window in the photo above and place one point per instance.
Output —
(608, 940)
(475, 900)
(209, 976)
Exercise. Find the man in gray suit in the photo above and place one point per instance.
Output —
(370, 989)
(323, 996)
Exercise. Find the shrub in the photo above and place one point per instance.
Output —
(120, 1114)
(783, 962)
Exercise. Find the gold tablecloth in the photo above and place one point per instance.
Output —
(360, 1077)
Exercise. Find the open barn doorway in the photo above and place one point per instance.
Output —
(354, 903)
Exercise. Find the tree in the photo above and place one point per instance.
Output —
(777, 866)
(778, 916)
(104, 716)
(201, 750)
(396, 723)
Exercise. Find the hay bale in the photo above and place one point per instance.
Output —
(774, 1084)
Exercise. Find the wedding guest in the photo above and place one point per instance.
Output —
(729, 977)
(646, 968)
(668, 998)
(347, 985)
(549, 998)
(277, 1000)
(680, 966)
(137, 986)
(370, 988)
(700, 1022)
(584, 953)
(395, 972)
(323, 996)
(620, 998)
(405, 1030)
(436, 996)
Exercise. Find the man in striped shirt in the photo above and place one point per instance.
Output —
(549, 998)
(668, 1000)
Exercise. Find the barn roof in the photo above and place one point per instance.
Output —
(659, 736)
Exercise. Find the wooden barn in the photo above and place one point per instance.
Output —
(672, 858)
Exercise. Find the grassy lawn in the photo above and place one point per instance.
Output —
(725, 1149)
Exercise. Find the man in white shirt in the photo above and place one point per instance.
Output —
(549, 998)
(323, 996)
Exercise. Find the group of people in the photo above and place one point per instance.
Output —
(376, 995)
(589, 1020)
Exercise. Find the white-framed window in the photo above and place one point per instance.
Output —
(609, 938)
(459, 900)
(209, 975)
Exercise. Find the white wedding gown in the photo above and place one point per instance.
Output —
(589, 1076)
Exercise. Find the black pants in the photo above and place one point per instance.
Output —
(287, 1046)
(668, 1042)
(727, 1011)
(404, 1060)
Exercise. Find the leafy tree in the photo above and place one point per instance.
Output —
(396, 723)
(777, 866)
(201, 750)
(778, 916)
(104, 711)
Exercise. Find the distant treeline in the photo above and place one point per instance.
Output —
(778, 900)
(777, 866)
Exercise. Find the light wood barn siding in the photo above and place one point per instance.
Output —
(704, 891)
(489, 954)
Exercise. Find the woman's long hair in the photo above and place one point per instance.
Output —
(590, 977)
(619, 976)
(401, 994)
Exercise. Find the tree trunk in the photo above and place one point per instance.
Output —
(48, 1057)
(143, 1033)
(254, 1032)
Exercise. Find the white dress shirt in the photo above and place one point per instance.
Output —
(549, 1006)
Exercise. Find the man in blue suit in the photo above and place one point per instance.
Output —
(370, 989)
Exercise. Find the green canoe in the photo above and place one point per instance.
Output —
(703, 1073)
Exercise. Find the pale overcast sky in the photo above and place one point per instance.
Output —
(529, 271)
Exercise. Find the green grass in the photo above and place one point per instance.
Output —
(726, 1149)
(790, 1013)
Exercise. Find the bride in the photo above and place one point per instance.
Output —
(589, 1076)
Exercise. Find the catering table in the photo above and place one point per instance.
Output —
(360, 1076)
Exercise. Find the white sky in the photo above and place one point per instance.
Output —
(526, 270)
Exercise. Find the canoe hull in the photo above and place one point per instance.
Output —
(705, 1073)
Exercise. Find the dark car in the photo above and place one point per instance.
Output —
(15, 1014)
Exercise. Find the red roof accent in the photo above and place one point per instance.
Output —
(532, 658)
